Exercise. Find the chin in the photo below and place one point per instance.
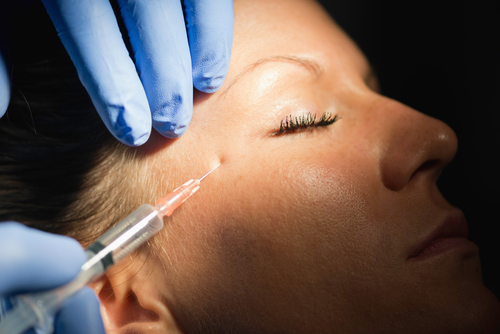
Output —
(477, 311)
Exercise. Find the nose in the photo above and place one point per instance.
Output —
(413, 145)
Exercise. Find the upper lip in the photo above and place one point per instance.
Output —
(454, 225)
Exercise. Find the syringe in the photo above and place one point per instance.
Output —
(37, 309)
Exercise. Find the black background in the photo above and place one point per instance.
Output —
(443, 59)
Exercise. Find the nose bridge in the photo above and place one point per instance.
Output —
(412, 144)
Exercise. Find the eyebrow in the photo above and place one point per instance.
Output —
(311, 65)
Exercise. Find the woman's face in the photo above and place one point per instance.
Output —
(318, 230)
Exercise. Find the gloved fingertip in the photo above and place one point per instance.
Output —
(3, 108)
(209, 85)
(4, 87)
(172, 118)
(134, 140)
(4, 103)
(131, 125)
(170, 129)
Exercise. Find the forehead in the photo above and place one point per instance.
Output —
(297, 28)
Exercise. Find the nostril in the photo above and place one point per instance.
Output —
(428, 165)
(412, 147)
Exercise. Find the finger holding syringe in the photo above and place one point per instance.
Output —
(37, 310)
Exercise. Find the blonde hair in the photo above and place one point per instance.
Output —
(61, 171)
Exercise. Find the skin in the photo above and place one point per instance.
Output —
(309, 232)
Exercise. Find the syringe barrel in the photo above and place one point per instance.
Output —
(36, 309)
(127, 235)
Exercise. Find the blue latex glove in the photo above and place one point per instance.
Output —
(31, 261)
(173, 49)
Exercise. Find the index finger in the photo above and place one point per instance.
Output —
(90, 34)
(32, 260)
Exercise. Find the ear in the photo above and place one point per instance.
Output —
(131, 298)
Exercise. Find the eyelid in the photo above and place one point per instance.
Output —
(307, 121)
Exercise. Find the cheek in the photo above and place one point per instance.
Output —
(277, 224)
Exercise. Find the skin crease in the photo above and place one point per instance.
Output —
(299, 233)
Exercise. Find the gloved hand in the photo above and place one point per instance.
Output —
(173, 49)
(31, 260)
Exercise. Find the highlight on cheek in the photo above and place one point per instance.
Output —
(307, 121)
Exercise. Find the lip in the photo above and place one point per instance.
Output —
(452, 232)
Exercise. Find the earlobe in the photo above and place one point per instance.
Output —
(131, 299)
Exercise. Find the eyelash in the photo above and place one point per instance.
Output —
(305, 122)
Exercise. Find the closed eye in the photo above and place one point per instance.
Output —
(306, 122)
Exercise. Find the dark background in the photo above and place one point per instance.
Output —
(443, 59)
